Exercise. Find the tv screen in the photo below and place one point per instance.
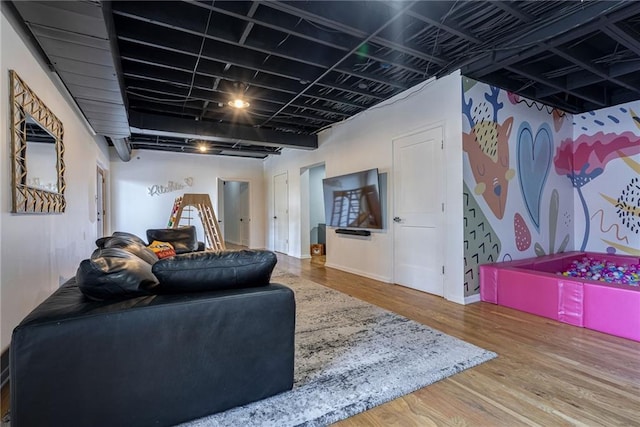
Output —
(353, 200)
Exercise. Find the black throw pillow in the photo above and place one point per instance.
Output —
(132, 245)
(101, 241)
(130, 236)
(114, 273)
(206, 271)
(183, 239)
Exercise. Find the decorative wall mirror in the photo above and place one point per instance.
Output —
(37, 151)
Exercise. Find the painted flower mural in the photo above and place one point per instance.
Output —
(585, 159)
(628, 205)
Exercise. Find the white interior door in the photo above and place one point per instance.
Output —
(419, 211)
(244, 213)
(281, 213)
(234, 207)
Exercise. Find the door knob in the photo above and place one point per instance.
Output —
(397, 219)
(275, 217)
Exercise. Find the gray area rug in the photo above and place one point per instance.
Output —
(350, 356)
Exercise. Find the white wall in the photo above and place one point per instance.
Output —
(365, 142)
(305, 214)
(40, 252)
(316, 200)
(135, 210)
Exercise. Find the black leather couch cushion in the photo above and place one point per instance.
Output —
(182, 239)
(113, 273)
(206, 271)
(131, 244)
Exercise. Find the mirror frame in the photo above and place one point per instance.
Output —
(25, 199)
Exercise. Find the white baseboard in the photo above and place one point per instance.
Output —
(456, 299)
(359, 273)
(466, 300)
(472, 298)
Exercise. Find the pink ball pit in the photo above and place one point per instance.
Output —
(533, 285)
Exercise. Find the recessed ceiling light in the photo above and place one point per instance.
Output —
(239, 103)
(362, 86)
(202, 148)
(237, 96)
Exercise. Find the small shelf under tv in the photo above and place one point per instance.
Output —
(353, 232)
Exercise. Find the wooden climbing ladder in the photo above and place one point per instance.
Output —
(202, 203)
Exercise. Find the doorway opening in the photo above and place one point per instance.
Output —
(234, 215)
(312, 222)
(281, 213)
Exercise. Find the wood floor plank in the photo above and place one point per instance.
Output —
(547, 373)
(4, 401)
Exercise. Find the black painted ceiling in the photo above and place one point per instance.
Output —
(304, 65)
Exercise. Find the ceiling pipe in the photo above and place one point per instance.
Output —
(123, 148)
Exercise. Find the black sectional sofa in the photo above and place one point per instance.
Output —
(210, 334)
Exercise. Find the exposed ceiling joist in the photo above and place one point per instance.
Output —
(305, 65)
(554, 33)
(337, 26)
(583, 79)
(353, 49)
(514, 11)
(536, 76)
(208, 131)
(581, 58)
(622, 36)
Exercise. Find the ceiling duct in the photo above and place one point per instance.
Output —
(75, 38)
(123, 148)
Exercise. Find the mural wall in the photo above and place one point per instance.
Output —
(518, 204)
(603, 166)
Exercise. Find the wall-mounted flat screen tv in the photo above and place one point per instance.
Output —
(353, 200)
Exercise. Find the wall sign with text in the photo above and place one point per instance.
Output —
(170, 187)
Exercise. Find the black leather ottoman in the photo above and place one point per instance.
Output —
(149, 361)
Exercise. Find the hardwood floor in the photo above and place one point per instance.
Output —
(546, 374)
(4, 401)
